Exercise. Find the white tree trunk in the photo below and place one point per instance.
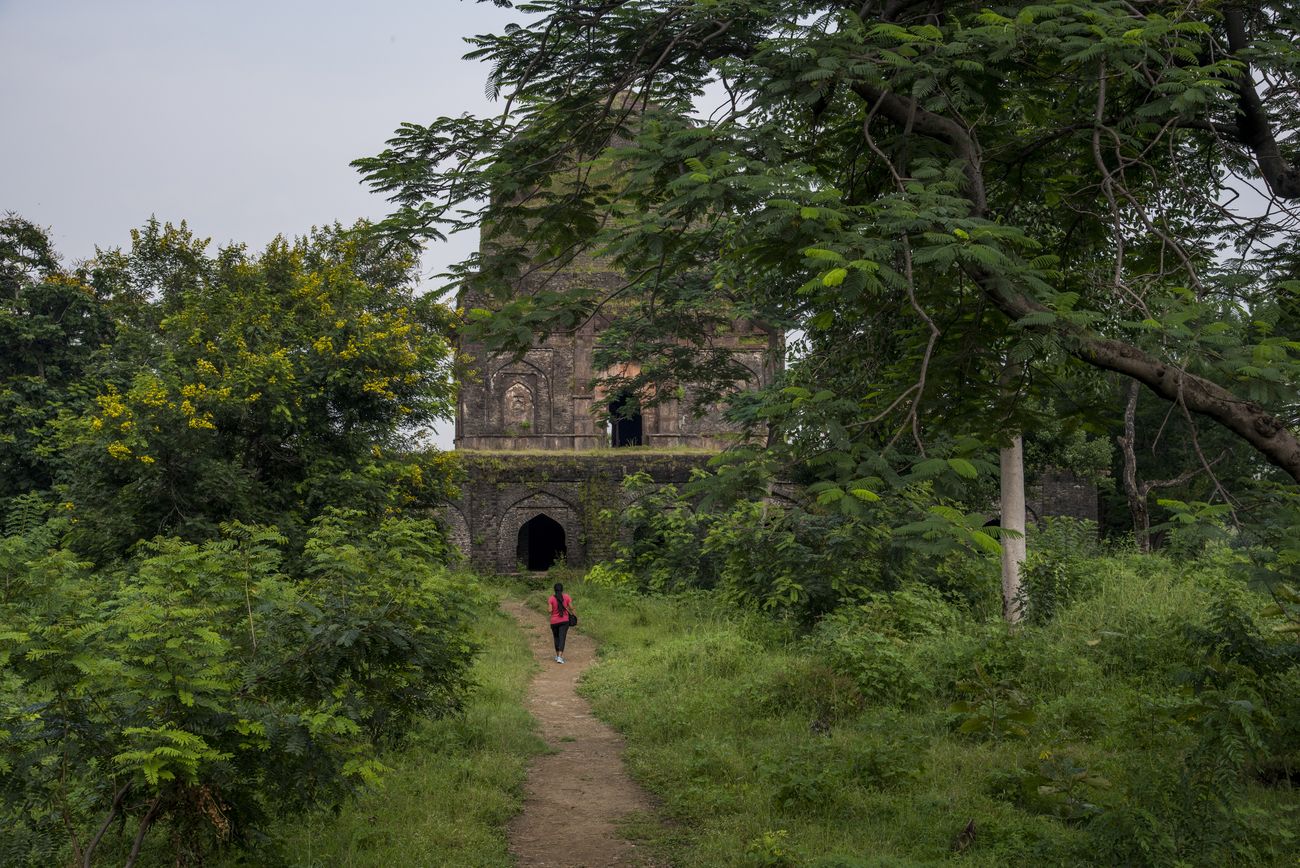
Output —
(1013, 520)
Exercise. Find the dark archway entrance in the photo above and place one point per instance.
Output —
(541, 543)
(625, 421)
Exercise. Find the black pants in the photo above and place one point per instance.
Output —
(559, 631)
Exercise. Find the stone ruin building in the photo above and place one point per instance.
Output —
(543, 457)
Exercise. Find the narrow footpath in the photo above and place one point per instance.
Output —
(575, 797)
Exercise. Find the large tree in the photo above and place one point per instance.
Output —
(167, 389)
(959, 203)
(52, 329)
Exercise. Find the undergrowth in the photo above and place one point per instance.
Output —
(1143, 718)
(450, 793)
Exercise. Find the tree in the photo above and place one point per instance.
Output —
(53, 326)
(1022, 166)
(928, 190)
(262, 388)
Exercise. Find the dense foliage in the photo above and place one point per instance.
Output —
(794, 560)
(163, 389)
(1148, 717)
(216, 608)
(200, 686)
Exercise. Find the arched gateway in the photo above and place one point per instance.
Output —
(541, 543)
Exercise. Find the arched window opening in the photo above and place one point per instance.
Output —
(541, 543)
(625, 421)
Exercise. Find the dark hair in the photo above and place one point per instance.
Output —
(559, 598)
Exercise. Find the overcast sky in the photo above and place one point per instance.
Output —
(240, 117)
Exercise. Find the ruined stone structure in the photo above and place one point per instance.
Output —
(542, 456)
(525, 509)
(546, 399)
(1059, 492)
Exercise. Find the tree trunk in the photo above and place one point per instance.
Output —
(1136, 494)
(1012, 459)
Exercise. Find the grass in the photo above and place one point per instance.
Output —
(841, 749)
(453, 789)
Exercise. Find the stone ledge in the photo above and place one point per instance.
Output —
(536, 466)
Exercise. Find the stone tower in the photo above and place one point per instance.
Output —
(547, 400)
(543, 457)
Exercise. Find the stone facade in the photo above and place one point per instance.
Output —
(542, 459)
(548, 399)
(1059, 492)
(504, 492)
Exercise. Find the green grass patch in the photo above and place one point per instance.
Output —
(453, 788)
(893, 728)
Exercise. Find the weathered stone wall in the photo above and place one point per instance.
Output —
(503, 490)
(1060, 492)
(547, 399)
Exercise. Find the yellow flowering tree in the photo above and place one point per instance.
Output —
(260, 386)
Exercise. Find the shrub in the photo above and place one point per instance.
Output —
(812, 687)
(662, 547)
(879, 665)
(1059, 567)
(817, 775)
(911, 611)
(186, 689)
(992, 707)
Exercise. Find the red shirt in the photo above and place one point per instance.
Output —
(556, 617)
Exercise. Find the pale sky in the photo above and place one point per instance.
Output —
(240, 117)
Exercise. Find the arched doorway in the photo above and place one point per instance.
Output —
(541, 543)
(625, 421)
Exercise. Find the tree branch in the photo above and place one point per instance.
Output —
(1282, 179)
(1262, 430)
(108, 821)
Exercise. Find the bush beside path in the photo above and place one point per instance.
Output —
(452, 791)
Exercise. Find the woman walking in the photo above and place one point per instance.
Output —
(561, 610)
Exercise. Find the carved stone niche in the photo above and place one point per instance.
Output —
(517, 407)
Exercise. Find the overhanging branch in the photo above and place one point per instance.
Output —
(1248, 420)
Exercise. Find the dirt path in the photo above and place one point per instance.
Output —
(575, 797)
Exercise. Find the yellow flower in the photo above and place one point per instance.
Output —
(202, 422)
(111, 403)
(120, 451)
(146, 459)
(96, 423)
(153, 396)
